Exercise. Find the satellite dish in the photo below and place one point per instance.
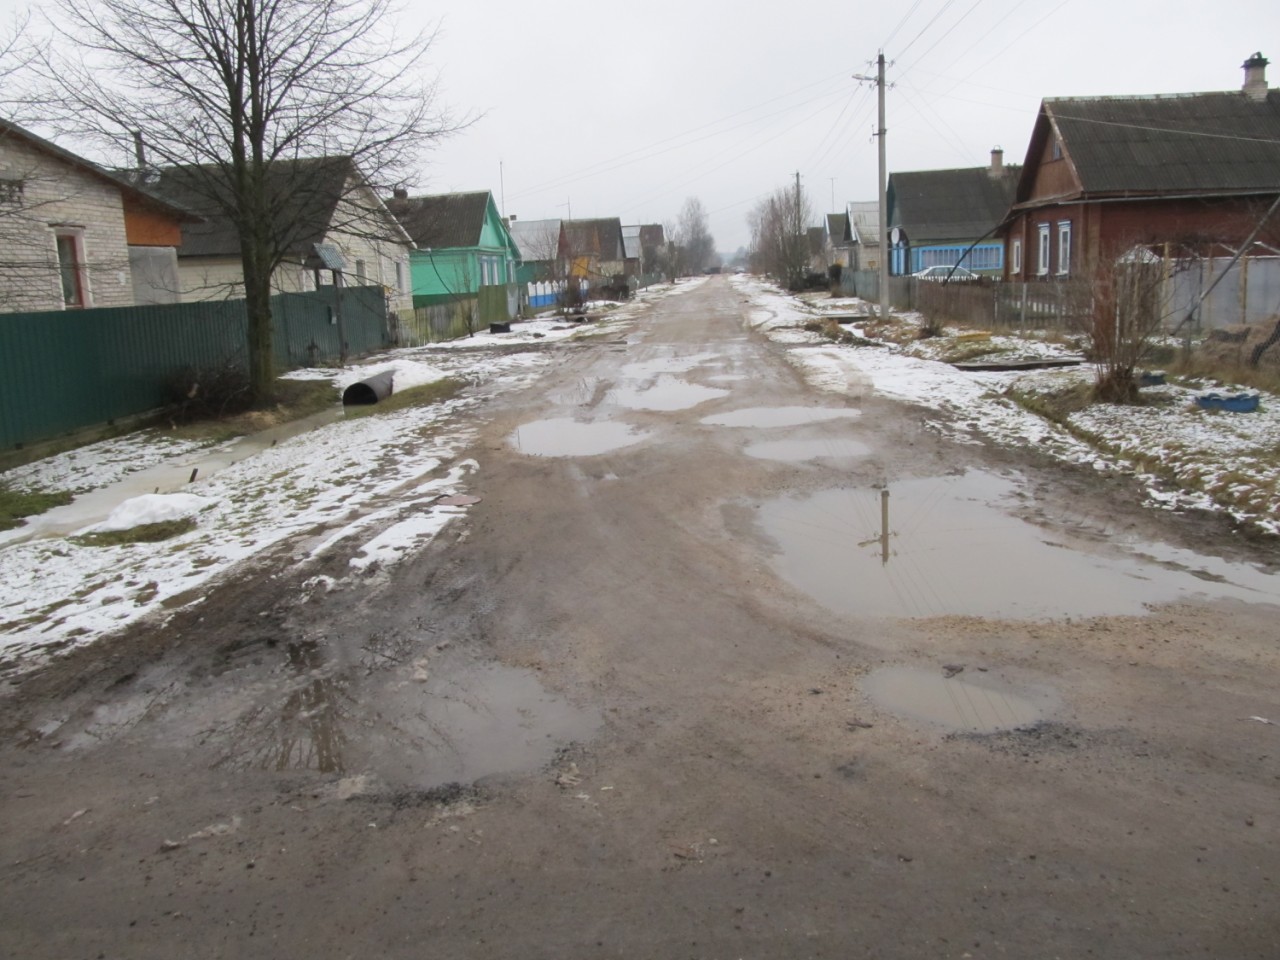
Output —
(895, 236)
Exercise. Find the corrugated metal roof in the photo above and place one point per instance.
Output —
(535, 239)
(444, 221)
(959, 204)
(838, 228)
(1186, 143)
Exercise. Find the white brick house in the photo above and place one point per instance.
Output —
(75, 235)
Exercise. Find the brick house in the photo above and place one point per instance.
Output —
(74, 234)
(1106, 174)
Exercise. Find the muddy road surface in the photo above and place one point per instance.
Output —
(721, 666)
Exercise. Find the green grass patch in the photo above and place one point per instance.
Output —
(424, 395)
(143, 533)
(15, 505)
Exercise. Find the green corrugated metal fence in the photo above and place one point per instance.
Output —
(64, 370)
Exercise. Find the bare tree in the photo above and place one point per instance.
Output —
(697, 247)
(779, 242)
(233, 92)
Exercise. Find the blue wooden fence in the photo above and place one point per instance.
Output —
(64, 370)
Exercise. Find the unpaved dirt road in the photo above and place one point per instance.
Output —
(666, 692)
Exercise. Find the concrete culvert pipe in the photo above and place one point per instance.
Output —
(369, 390)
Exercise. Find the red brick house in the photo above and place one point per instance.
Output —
(1111, 173)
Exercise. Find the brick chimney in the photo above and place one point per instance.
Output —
(1255, 77)
(997, 163)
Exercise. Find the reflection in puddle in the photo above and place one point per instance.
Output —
(426, 726)
(778, 416)
(306, 732)
(665, 393)
(799, 451)
(980, 705)
(946, 549)
(572, 438)
(643, 369)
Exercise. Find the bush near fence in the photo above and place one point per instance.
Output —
(66, 370)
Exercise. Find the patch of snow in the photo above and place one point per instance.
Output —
(151, 508)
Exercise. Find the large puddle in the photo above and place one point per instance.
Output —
(665, 393)
(943, 545)
(476, 721)
(969, 703)
(802, 451)
(572, 438)
(765, 417)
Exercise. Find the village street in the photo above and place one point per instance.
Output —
(673, 688)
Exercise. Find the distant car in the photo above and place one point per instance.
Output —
(960, 274)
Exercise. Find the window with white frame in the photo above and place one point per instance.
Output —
(71, 270)
(1015, 256)
(1042, 252)
(1064, 247)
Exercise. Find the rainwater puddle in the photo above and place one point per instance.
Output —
(664, 393)
(168, 477)
(476, 721)
(974, 705)
(572, 438)
(763, 417)
(948, 548)
(800, 451)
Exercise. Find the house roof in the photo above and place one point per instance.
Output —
(652, 235)
(631, 242)
(602, 237)
(959, 204)
(531, 237)
(303, 195)
(1201, 143)
(444, 221)
(864, 221)
(838, 228)
(817, 239)
(127, 183)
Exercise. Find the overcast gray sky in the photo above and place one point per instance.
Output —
(625, 109)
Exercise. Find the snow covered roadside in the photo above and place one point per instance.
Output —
(371, 484)
(1185, 457)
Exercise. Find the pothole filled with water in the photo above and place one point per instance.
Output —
(965, 703)
(765, 417)
(572, 438)
(943, 546)
(801, 451)
(664, 394)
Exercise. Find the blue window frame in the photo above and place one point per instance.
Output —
(983, 257)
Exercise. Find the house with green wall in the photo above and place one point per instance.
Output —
(463, 255)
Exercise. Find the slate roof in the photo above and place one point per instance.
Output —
(125, 181)
(960, 204)
(531, 237)
(864, 221)
(1197, 143)
(601, 237)
(304, 193)
(442, 222)
(838, 228)
(631, 242)
(652, 235)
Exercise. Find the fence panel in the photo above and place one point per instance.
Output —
(65, 370)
